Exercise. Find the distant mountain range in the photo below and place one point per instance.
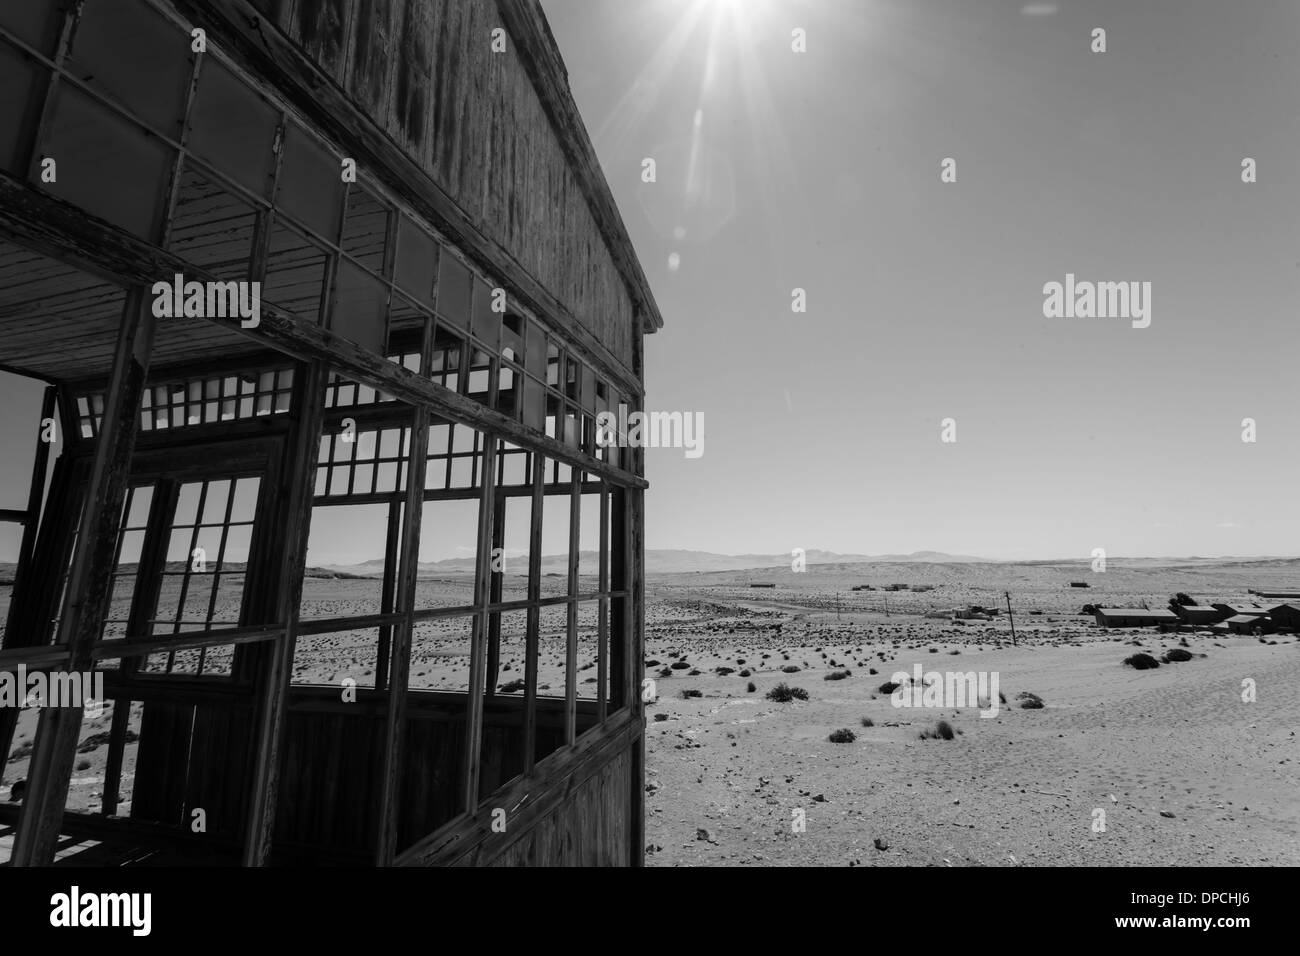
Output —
(676, 561)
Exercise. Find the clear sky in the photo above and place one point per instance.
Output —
(820, 170)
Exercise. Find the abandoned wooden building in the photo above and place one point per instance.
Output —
(327, 295)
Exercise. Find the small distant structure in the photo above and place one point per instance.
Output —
(1199, 615)
(1236, 610)
(863, 587)
(1134, 617)
(1249, 624)
(919, 588)
(762, 585)
(1079, 584)
(897, 587)
(1274, 594)
(1286, 615)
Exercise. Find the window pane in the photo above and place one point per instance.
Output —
(105, 165)
(211, 228)
(416, 255)
(33, 21)
(18, 80)
(310, 184)
(233, 128)
(454, 291)
(295, 273)
(365, 232)
(360, 304)
(127, 50)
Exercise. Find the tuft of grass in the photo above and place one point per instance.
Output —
(1029, 701)
(1176, 656)
(941, 731)
(868, 722)
(690, 692)
(745, 672)
(790, 669)
(1141, 662)
(888, 687)
(783, 693)
(666, 672)
(842, 736)
(724, 671)
(838, 675)
(751, 688)
(83, 764)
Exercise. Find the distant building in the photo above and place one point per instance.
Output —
(1233, 610)
(762, 585)
(1286, 615)
(1079, 584)
(1199, 614)
(1249, 624)
(1133, 617)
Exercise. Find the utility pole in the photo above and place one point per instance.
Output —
(1011, 618)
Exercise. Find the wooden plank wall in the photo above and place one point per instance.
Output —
(425, 71)
(591, 828)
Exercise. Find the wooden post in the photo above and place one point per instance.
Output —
(395, 728)
(531, 639)
(571, 630)
(477, 658)
(277, 668)
(86, 599)
(1011, 617)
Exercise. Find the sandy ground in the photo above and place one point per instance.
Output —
(1184, 770)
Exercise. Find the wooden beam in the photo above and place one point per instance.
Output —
(298, 484)
(390, 786)
(89, 579)
(494, 594)
(531, 638)
(67, 233)
(478, 659)
(571, 631)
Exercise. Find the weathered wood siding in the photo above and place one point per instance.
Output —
(424, 70)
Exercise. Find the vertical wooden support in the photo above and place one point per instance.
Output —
(571, 643)
(531, 639)
(395, 727)
(634, 668)
(602, 615)
(392, 545)
(86, 601)
(478, 659)
(23, 570)
(494, 594)
(273, 678)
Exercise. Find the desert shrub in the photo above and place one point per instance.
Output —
(1029, 701)
(694, 672)
(873, 671)
(661, 716)
(1141, 662)
(1176, 656)
(888, 687)
(690, 692)
(790, 669)
(837, 675)
(666, 672)
(868, 722)
(783, 693)
(842, 736)
(513, 687)
(679, 665)
(751, 688)
(745, 672)
(724, 671)
(83, 764)
(941, 731)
